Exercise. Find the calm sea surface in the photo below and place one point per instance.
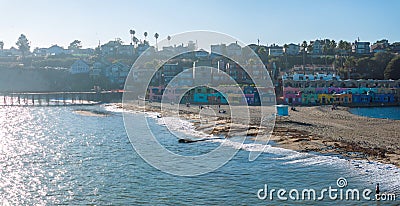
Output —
(378, 112)
(52, 155)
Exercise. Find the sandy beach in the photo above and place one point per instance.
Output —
(317, 129)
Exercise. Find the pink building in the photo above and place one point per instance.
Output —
(336, 90)
(292, 95)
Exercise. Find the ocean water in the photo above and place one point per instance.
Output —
(378, 112)
(51, 156)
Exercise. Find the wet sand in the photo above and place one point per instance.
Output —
(317, 129)
(91, 113)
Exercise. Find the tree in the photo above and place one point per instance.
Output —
(392, 70)
(341, 45)
(132, 33)
(347, 46)
(1, 45)
(145, 36)
(285, 46)
(365, 66)
(23, 45)
(332, 46)
(262, 53)
(169, 39)
(310, 51)
(156, 36)
(136, 40)
(349, 64)
(381, 60)
(303, 49)
(76, 44)
(119, 41)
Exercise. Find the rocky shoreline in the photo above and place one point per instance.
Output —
(318, 129)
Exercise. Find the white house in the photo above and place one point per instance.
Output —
(275, 50)
(219, 49)
(40, 52)
(10, 52)
(317, 46)
(56, 50)
(292, 49)
(234, 49)
(79, 67)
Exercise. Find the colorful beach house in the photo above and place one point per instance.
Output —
(329, 89)
(205, 95)
(326, 98)
(383, 98)
(292, 95)
(343, 98)
(308, 96)
(362, 98)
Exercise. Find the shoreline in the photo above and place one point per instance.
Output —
(309, 129)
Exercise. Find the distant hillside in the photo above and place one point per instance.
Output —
(18, 79)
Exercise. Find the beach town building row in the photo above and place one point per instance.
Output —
(226, 94)
(171, 79)
(317, 89)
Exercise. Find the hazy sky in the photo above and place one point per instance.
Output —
(48, 22)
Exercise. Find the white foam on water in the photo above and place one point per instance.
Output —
(118, 109)
(113, 108)
(386, 174)
(371, 172)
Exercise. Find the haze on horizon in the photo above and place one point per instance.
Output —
(47, 22)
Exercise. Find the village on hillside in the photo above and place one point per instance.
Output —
(314, 72)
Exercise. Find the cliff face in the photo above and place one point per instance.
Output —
(18, 80)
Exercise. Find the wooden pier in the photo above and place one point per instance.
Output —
(58, 98)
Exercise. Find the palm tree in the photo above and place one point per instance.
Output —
(333, 46)
(132, 32)
(310, 51)
(303, 49)
(145, 36)
(347, 46)
(169, 39)
(285, 46)
(156, 36)
(136, 40)
(325, 50)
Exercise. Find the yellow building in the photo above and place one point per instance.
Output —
(326, 98)
(343, 98)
